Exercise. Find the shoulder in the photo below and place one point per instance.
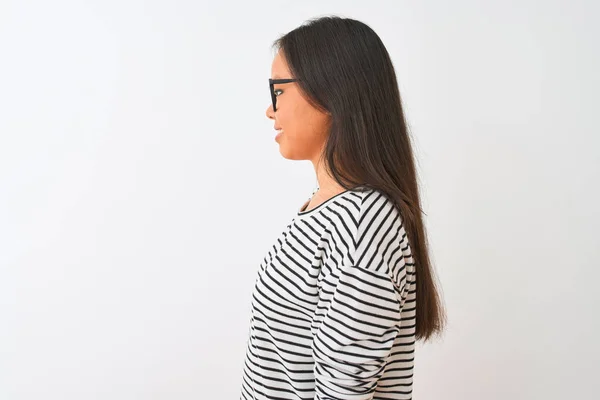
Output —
(361, 195)
(364, 206)
(368, 230)
(377, 209)
(379, 236)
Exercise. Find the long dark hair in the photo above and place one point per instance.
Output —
(345, 69)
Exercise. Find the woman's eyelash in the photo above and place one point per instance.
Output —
(277, 90)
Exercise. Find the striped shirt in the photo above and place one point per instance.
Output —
(333, 306)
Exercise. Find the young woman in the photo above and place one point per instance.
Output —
(347, 287)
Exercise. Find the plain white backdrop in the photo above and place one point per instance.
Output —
(140, 186)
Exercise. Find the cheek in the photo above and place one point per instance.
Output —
(302, 126)
(292, 118)
(303, 140)
(290, 124)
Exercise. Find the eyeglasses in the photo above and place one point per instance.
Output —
(273, 82)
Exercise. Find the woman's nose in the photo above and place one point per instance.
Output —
(270, 114)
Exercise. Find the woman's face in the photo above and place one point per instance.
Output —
(304, 127)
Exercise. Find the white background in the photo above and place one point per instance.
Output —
(140, 186)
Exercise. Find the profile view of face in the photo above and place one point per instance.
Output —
(304, 128)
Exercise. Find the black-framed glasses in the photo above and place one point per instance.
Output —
(276, 81)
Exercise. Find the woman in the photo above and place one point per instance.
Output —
(347, 288)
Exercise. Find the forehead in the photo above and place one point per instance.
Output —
(279, 68)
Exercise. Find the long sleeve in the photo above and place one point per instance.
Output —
(359, 310)
(355, 335)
